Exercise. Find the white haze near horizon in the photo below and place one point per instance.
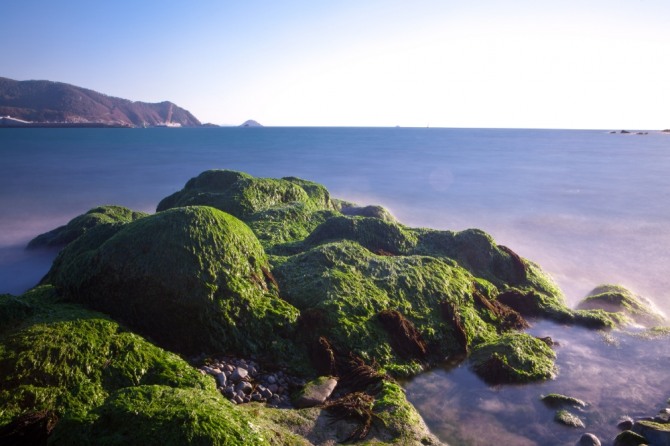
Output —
(522, 64)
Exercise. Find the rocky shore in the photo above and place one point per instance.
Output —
(243, 381)
(303, 310)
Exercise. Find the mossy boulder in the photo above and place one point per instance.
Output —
(279, 210)
(193, 279)
(94, 382)
(61, 357)
(621, 301)
(102, 215)
(513, 358)
(342, 288)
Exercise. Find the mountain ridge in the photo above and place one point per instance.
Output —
(43, 102)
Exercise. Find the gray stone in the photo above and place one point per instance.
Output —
(316, 392)
(238, 400)
(266, 393)
(221, 379)
(256, 397)
(274, 388)
(229, 392)
(271, 379)
(239, 374)
(243, 387)
(588, 440)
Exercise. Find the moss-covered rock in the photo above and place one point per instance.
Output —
(619, 300)
(568, 419)
(98, 383)
(102, 215)
(242, 195)
(341, 288)
(278, 210)
(513, 358)
(378, 236)
(194, 279)
(61, 357)
(154, 414)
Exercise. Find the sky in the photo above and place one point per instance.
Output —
(515, 63)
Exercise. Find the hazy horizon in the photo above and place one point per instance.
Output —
(377, 64)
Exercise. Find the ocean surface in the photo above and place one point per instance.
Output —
(589, 206)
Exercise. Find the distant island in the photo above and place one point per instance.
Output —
(251, 123)
(40, 103)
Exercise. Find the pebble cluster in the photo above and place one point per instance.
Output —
(242, 381)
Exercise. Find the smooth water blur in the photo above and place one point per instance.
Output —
(617, 374)
(588, 206)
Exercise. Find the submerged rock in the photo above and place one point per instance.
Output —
(514, 358)
(619, 300)
(588, 440)
(569, 419)
(555, 400)
(629, 438)
(655, 433)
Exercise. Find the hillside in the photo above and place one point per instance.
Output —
(47, 102)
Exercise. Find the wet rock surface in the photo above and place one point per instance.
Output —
(244, 380)
(649, 430)
(588, 440)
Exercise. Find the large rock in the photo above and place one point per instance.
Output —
(315, 392)
(278, 210)
(194, 279)
(657, 434)
(619, 300)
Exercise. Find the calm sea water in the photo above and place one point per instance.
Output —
(590, 207)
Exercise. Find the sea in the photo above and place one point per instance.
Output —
(589, 206)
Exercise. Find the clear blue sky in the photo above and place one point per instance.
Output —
(516, 63)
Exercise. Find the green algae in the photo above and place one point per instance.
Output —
(376, 235)
(568, 419)
(623, 303)
(349, 286)
(279, 211)
(108, 385)
(154, 414)
(286, 224)
(514, 358)
(102, 215)
(62, 357)
(298, 266)
(242, 195)
(193, 279)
